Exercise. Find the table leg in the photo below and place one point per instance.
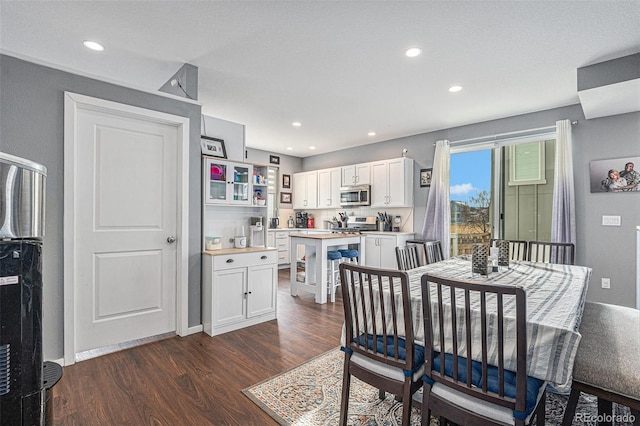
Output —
(321, 272)
(293, 268)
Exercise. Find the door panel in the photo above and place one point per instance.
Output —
(126, 208)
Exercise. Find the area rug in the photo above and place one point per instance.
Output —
(310, 395)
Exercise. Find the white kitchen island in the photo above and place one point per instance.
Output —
(315, 260)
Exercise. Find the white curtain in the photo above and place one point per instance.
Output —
(563, 225)
(437, 217)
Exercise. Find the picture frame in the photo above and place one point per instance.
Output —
(285, 197)
(286, 181)
(213, 147)
(425, 177)
(274, 159)
(627, 170)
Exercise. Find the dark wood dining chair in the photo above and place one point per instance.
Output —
(478, 392)
(408, 257)
(433, 251)
(379, 347)
(546, 252)
(517, 248)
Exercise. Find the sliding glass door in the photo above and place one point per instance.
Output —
(501, 190)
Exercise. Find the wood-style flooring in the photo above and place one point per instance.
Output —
(197, 380)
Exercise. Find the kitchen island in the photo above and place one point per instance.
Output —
(315, 260)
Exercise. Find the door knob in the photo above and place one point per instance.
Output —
(171, 239)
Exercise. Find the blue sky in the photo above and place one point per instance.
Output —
(470, 172)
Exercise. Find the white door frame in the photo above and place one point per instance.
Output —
(72, 103)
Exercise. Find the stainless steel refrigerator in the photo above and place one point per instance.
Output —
(23, 392)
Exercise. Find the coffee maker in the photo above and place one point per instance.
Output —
(256, 232)
(301, 219)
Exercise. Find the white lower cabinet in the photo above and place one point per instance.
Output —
(239, 290)
(380, 250)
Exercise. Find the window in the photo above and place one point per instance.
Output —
(527, 164)
(501, 189)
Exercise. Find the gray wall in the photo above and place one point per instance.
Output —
(609, 251)
(31, 126)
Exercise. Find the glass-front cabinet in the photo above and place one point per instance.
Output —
(227, 183)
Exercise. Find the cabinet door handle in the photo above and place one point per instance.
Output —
(229, 260)
(263, 257)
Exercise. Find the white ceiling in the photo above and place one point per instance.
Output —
(337, 67)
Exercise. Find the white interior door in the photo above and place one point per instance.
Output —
(125, 225)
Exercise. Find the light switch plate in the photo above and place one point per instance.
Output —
(610, 220)
(606, 283)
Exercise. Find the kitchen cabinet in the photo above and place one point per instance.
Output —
(280, 240)
(392, 183)
(380, 248)
(305, 190)
(356, 174)
(329, 182)
(227, 182)
(240, 288)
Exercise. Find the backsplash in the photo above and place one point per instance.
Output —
(323, 215)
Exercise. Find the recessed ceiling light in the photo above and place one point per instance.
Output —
(93, 45)
(413, 52)
(289, 148)
(312, 147)
(371, 133)
(454, 89)
(296, 124)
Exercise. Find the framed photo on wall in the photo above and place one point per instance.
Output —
(425, 177)
(615, 175)
(286, 181)
(213, 146)
(285, 197)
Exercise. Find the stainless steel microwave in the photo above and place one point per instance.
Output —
(355, 195)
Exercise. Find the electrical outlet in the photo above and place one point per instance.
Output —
(606, 283)
(610, 220)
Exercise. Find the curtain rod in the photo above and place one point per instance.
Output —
(538, 129)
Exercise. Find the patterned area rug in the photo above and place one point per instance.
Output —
(310, 395)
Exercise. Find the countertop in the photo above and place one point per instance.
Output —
(332, 236)
(238, 250)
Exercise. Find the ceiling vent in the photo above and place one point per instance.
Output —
(610, 87)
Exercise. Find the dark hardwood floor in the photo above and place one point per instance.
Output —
(197, 380)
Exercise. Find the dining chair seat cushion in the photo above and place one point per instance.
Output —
(334, 255)
(418, 351)
(609, 353)
(348, 253)
(477, 379)
(496, 412)
(386, 370)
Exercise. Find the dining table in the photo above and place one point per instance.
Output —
(555, 298)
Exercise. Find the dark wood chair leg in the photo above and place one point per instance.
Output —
(381, 394)
(344, 403)
(605, 408)
(541, 410)
(570, 410)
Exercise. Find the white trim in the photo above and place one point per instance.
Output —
(72, 102)
(70, 70)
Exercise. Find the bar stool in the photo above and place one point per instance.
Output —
(334, 258)
(349, 255)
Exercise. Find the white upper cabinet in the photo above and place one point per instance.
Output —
(225, 182)
(305, 190)
(392, 183)
(356, 174)
(329, 182)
